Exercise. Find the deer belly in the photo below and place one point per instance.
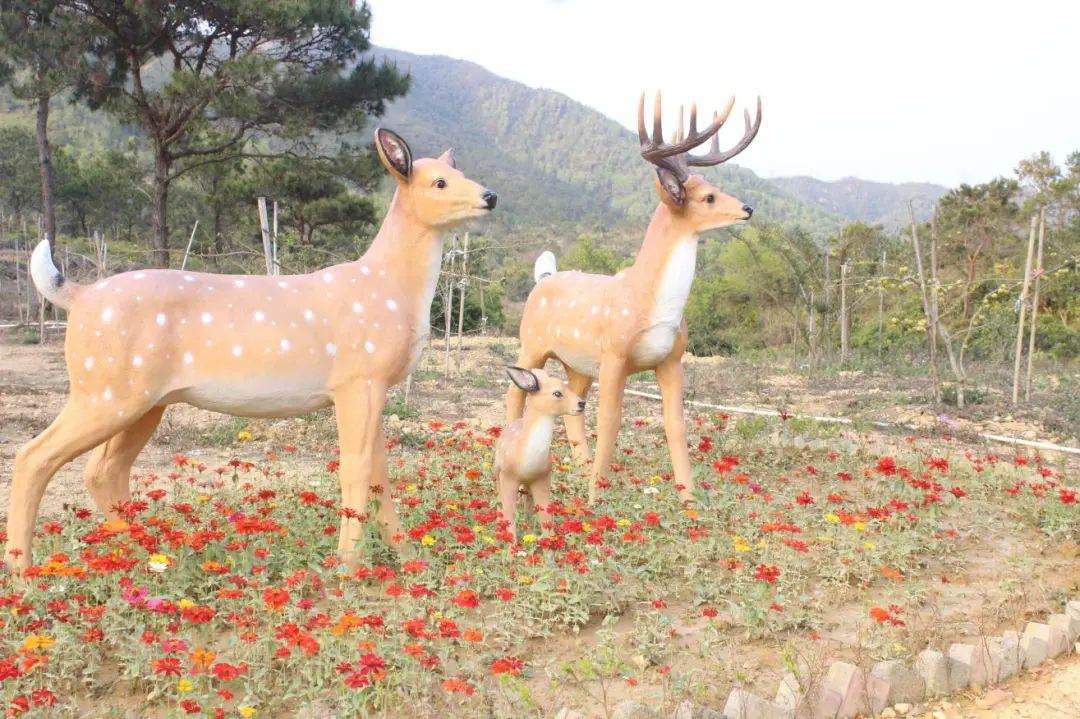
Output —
(581, 362)
(261, 397)
(654, 345)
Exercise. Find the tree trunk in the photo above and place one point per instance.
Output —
(161, 205)
(48, 212)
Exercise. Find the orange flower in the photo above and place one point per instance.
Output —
(472, 635)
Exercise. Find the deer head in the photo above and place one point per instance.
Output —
(433, 191)
(691, 198)
(546, 395)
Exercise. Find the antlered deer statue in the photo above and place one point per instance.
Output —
(250, 346)
(607, 328)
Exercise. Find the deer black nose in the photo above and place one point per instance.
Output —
(489, 198)
(581, 404)
(748, 210)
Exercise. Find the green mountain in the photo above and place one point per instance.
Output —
(554, 161)
(877, 203)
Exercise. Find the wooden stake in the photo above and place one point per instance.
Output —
(935, 299)
(1023, 311)
(1035, 303)
(191, 239)
(264, 226)
(273, 241)
(930, 329)
(461, 299)
(448, 307)
(881, 311)
(844, 329)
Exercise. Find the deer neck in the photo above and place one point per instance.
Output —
(410, 252)
(665, 265)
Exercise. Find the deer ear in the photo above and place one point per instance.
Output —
(523, 378)
(448, 158)
(672, 191)
(394, 153)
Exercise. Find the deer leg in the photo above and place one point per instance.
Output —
(612, 386)
(72, 433)
(515, 398)
(508, 490)
(669, 375)
(540, 489)
(575, 424)
(359, 414)
(108, 471)
(389, 524)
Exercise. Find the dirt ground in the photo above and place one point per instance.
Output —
(33, 385)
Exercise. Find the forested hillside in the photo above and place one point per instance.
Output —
(876, 203)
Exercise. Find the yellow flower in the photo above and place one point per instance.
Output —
(184, 685)
(38, 641)
(655, 479)
(185, 603)
(832, 518)
(410, 488)
(860, 526)
(869, 545)
(451, 505)
(243, 436)
(586, 526)
(427, 540)
(528, 538)
(247, 712)
(489, 540)
(158, 563)
(525, 579)
(623, 522)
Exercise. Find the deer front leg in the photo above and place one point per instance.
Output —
(508, 490)
(359, 414)
(540, 489)
(575, 424)
(389, 524)
(669, 375)
(612, 386)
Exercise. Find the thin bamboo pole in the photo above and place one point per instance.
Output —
(461, 300)
(448, 307)
(930, 328)
(1023, 311)
(187, 250)
(1035, 303)
(264, 227)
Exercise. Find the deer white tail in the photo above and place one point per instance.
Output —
(545, 265)
(52, 285)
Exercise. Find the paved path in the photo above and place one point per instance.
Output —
(1051, 693)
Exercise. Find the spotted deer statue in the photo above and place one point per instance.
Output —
(606, 328)
(250, 346)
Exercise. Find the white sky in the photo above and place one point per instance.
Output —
(894, 90)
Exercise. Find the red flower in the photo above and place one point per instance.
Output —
(275, 599)
(466, 599)
(190, 706)
(709, 612)
(459, 686)
(505, 594)
(767, 573)
(887, 466)
(507, 665)
(1067, 496)
(804, 499)
(167, 666)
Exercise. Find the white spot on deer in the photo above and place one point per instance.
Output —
(369, 346)
(136, 361)
(238, 283)
(207, 318)
(237, 350)
(106, 314)
(358, 307)
(139, 275)
(327, 277)
(89, 363)
(543, 301)
(102, 285)
(260, 316)
(189, 278)
(365, 270)
(283, 284)
(309, 315)
(284, 345)
(331, 349)
(107, 394)
(595, 309)
(391, 305)
(577, 333)
(189, 358)
(625, 312)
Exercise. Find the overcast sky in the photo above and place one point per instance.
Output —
(948, 91)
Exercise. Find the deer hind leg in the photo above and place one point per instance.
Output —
(575, 424)
(108, 471)
(359, 416)
(669, 375)
(389, 524)
(612, 386)
(515, 398)
(79, 427)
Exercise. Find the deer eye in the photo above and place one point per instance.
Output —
(440, 183)
(710, 199)
(557, 393)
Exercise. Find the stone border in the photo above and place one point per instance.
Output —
(891, 688)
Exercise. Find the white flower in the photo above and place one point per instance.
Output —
(651, 490)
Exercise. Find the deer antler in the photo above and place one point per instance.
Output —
(715, 157)
(674, 156)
